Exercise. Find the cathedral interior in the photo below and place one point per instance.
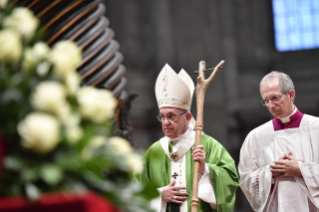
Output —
(131, 41)
(244, 33)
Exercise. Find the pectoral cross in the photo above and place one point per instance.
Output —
(173, 156)
(174, 175)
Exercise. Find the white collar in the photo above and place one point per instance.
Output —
(287, 118)
(183, 143)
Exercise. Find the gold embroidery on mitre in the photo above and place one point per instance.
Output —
(165, 84)
(173, 101)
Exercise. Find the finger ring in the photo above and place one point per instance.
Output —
(174, 197)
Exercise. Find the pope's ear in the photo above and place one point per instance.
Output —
(188, 116)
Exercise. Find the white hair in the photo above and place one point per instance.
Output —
(285, 82)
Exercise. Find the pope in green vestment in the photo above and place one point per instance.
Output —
(223, 175)
(168, 163)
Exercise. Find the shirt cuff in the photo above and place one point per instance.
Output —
(157, 204)
(205, 189)
(300, 163)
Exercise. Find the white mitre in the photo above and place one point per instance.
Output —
(171, 90)
(188, 80)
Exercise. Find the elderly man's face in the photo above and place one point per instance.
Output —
(174, 128)
(279, 104)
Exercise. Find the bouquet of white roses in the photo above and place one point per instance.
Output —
(58, 133)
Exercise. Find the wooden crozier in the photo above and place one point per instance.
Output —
(200, 91)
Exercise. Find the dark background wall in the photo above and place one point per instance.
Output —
(184, 32)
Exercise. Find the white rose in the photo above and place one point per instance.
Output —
(43, 68)
(49, 96)
(34, 55)
(66, 57)
(10, 46)
(41, 50)
(92, 145)
(23, 21)
(120, 145)
(74, 134)
(64, 113)
(97, 141)
(134, 162)
(39, 132)
(96, 105)
(3, 3)
(28, 59)
(71, 121)
(67, 117)
(72, 82)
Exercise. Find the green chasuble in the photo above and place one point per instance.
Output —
(157, 170)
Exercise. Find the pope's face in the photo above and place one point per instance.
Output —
(174, 128)
(280, 104)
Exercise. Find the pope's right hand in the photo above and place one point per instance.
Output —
(176, 194)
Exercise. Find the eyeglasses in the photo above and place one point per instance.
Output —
(170, 117)
(273, 99)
